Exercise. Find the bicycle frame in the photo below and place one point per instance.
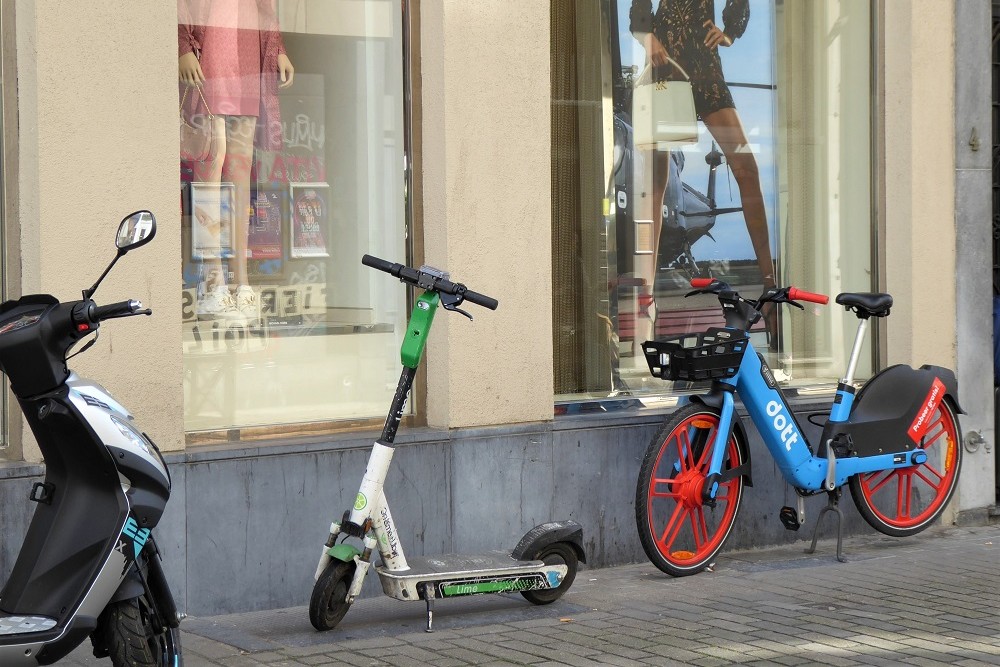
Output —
(776, 423)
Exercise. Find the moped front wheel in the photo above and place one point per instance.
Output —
(328, 603)
(128, 635)
(680, 532)
(904, 501)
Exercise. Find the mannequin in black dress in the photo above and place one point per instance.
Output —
(685, 31)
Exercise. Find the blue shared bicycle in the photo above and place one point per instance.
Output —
(895, 442)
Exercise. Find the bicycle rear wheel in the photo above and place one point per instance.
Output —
(680, 534)
(904, 501)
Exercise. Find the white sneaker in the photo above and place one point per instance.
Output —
(217, 302)
(247, 302)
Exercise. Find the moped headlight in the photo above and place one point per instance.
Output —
(129, 432)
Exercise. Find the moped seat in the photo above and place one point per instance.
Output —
(866, 304)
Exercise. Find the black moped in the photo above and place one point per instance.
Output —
(88, 566)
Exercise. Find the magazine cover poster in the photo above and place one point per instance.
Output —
(264, 236)
(212, 220)
(310, 219)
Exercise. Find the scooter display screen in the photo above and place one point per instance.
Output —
(20, 321)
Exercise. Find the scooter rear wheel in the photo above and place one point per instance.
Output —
(328, 603)
(681, 533)
(559, 553)
(904, 501)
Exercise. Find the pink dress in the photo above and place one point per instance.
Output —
(238, 43)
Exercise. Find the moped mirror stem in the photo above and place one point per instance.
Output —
(87, 293)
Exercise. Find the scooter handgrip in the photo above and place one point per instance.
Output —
(481, 299)
(381, 264)
(796, 294)
(698, 283)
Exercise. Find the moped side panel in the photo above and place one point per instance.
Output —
(76, 529)
(890, 412)
(134, 455)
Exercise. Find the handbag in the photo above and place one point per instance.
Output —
(198, 134)
(663, 110)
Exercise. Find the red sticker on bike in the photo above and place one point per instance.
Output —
(919, 426)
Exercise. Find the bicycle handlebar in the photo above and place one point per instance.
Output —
(796, 294)
(429, 281)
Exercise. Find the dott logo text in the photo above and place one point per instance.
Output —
(782, 424)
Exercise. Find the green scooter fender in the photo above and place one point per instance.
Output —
(344, 552)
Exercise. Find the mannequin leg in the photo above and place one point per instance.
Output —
(207, 220)
(650, 184)
(727, 130)
(236, 169)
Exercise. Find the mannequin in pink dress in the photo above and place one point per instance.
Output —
(233, 51)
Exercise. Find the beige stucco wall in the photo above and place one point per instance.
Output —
(485, 104)
(97, 107)
(919, 171)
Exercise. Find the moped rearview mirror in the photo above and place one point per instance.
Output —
(135, 230)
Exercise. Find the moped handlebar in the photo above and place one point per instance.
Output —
(120, 309)
(85, 314)
(429, 281)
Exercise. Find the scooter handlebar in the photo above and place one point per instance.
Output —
(429, 281)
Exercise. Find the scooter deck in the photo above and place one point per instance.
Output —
(19, 624)
(454, 575)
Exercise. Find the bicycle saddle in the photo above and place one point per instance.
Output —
(866, 304)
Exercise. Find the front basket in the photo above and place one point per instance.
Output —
(712, 355)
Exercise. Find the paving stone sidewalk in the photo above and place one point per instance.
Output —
(933, 599)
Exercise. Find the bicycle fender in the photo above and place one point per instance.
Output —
(714, 400)
(545, 534)
(891, 405)
(344, 552)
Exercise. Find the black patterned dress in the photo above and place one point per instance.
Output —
(679, 25)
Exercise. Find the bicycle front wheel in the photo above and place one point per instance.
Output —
(904, 501)
(680, 534)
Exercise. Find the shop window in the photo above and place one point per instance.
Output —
(772, 183)
(292, 156)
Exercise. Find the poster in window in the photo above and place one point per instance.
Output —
(719, 195)
(264, 235)
(212, 218)
(309, 212)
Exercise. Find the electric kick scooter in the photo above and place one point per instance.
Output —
(88, 564)
(541, 567)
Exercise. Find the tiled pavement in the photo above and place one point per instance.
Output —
(932, 599)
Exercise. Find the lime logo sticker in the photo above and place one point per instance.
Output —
(360, 502)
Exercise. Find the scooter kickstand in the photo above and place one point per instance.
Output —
(429, 597)
(832, 506)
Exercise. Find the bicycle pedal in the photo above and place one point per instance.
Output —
(789, 518)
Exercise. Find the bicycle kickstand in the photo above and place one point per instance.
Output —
(832, 506)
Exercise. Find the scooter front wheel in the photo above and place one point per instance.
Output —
(904, 501)
(328, 603)
(126, 632)
(559, 553)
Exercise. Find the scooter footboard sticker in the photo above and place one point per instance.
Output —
(481, 585)
(922, 421)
